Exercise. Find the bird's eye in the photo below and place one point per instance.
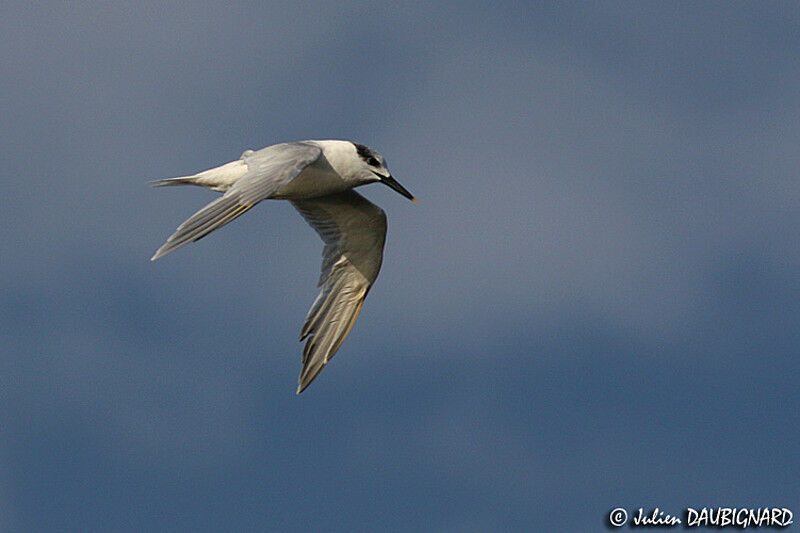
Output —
(372, 162)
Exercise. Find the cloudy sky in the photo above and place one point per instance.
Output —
(595, 304)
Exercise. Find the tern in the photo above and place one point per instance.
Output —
(318, 178)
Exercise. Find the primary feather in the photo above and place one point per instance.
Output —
(354, 232)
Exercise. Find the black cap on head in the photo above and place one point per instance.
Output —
(368, 155)
(363, 152)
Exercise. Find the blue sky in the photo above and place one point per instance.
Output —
(594, 304)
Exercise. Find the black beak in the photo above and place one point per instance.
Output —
(391, 182)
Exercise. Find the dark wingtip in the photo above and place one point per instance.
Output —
(301, 386)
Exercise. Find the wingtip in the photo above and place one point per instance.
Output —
(306, 378)
(159, 253)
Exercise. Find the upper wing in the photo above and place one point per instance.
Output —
(268, 170)
(354, 231)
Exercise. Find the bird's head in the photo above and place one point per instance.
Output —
(372, 168)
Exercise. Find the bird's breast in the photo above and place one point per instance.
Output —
(314, 181)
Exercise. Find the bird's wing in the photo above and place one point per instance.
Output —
(268, 170)
(354, 231)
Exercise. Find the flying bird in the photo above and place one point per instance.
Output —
(318, 178)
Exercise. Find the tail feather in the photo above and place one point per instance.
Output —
(214, 215)
(220, 178)
(168, 182)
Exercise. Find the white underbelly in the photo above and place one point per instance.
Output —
(312, 182)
